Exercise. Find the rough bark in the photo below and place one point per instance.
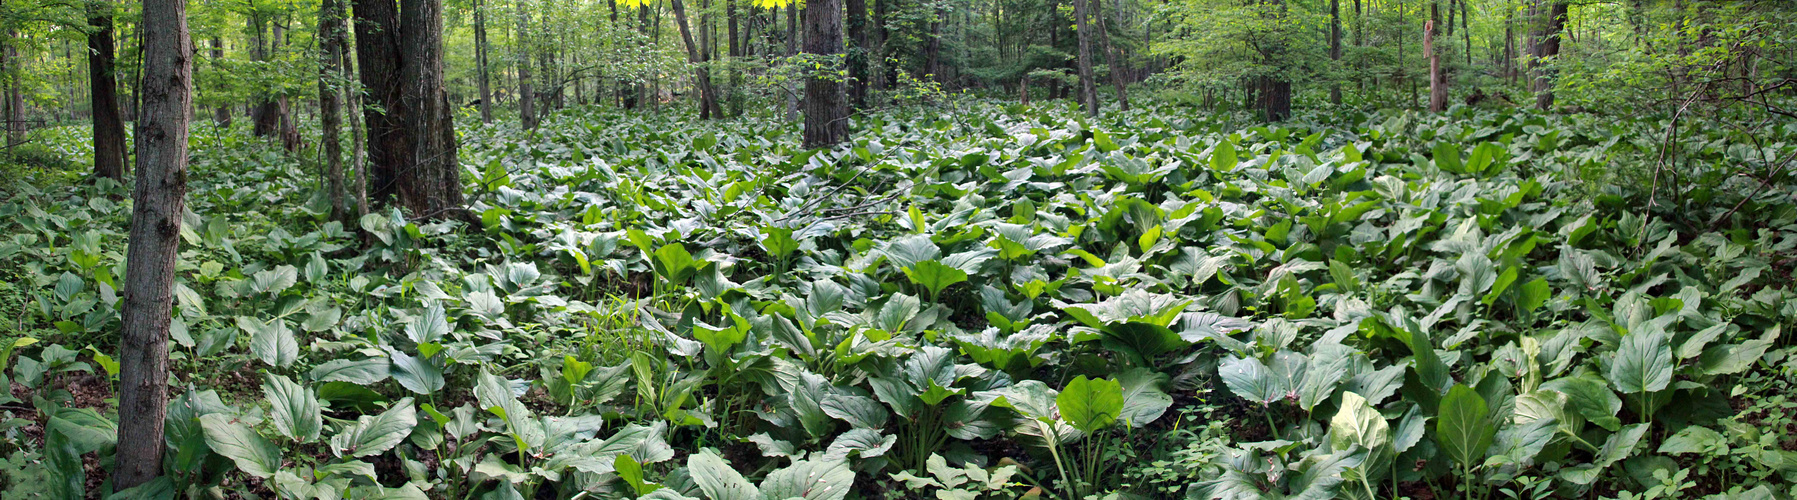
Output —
(377, 59)
(858, 53)
(330, 57)
(879, 69)
(1547, 45)
(15, 96)
(701, 75)
(266, 115)
(480, 61)
(733, 51)
(109, 126)
(826, 108)
(933, 50)
(792, 49)
(434, 187)
(1088, 94)
(155, 240)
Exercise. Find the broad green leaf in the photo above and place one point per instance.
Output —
(1250, 379)
(1143, 400)
(718, 480)
(1643, 363)
(274, 344)
(1090, 405)
(934, 276)
(252, 453)
(375, 434)
(295, 410)
(365, 371)
(1462, 428)
(418, 375)
(807, 479)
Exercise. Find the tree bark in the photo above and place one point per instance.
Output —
(377, 59)
(480, 61)
(15, 96)
(734, 51)
(701, 75)
(1088, 95)
(330, 48)
(290, 138)
(1547, 45)
(826, 108)
(877, 58)
(435, 190)
(155, 241)
(266, 115)
(933, 51)
(527, 95)
(109, 127)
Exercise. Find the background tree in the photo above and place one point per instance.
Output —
(108, 125)
(826, 108)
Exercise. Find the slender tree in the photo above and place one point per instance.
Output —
(857, 53)
(1335, 47)
(155, 241)
(1438, 80)
(826, 108)
(1112, 58)
(701, 76)
(480, 61)
(222, 114)
(109, 127)
(527, 95)
(330, 59)
(1088, 95)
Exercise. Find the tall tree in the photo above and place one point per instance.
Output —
(480, 61)
(858, 54)
(155, 241)
(15, 99)
(109, 126)
(708, 99)
(527, 95)
(1546, 41)
(1335, 47)
(1112, 58)
(222, 114)
(330, 62)
(826, 108)
(1438, 80)
(1088, 94)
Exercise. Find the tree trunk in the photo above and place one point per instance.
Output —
(701, 75)
(434, 187)
(733, 51)
(480, 62)
(933, 51)
(377, 59)
(222, 114)
(877, 57)
(266, 115)
(330, 48)
(826, 108)
(109, 127)
(792, 49)
(1438, 83)
(155, 241)
(1335, 48)
(15, 95)
(1275, 98)
(858, 54)
(1547, 45)
(1111, 57)
(527, 94)
(290, 139)
(1088, 95)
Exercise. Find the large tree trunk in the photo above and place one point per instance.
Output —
(701, 75)
(480, 62)
(290, 138)
(1111, 57)
(826, 108)
(1547, 45)
(155, 241)
(858, 54)
(433, 187)
(109, 127)
(877, 56)
(377, 59)
(330, 57)
(527, 95)
(1088, 94)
